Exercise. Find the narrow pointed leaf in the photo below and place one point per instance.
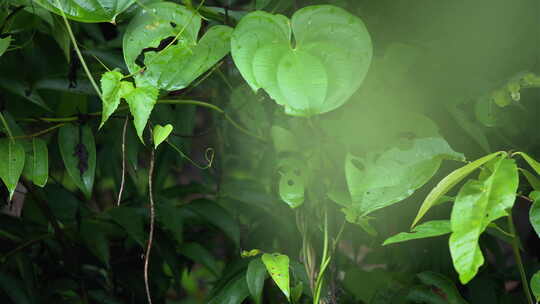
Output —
(447, 183)
(36, 166)
(4, 44)
(255, 277)
(12, 164)
(424, 230)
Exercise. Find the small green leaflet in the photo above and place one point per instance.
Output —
(424, 230)
(151, 34)
(4, 44)
(535, 286)
(477, 204)
(141, 101)
(447, 183)
(92, 11)
(277, 266)
(12, 164)
(78, 150)
(36, 167)
(160, 133)
(317, 74)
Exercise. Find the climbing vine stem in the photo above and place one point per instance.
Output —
(519, 262)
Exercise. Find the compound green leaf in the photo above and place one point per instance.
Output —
(477, 204)
(160, 133)
(12, 154)
(4, 44)
(36, 166)
(317, 74)
(88, 11)
(447, 183)
(141, 101)
(167, 32)
(422, 231)
(535, 286)
(78, 150)
(381, 179)
(255, 277)
(277, 266)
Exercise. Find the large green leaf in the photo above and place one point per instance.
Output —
(12, 164)
(478, 203)
(425, 230)
(381, 179)
(447, 183)
(315, 75)
(255, 277)
(36, 167)
(78, 150)
(88, 10)
(141, 101)
(234, 291)
(150, 35)
(277, 266)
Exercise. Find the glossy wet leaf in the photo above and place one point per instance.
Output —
(317, 74)
(535, 286)
(12, 164)
(150, 36)
(141, 101)
(381, 179)
(447, 183)
(78, 150)
(255, 277)
(88, 11)
(36, 166)
(424, 230)
(160, 134)
(4, 44)
(477, 204)
(277, 266)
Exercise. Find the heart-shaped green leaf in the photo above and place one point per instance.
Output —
(88, 11)
(141, 101)
(11, 167)
(277, 266)
(160, 133)
(325, 66)
(167, 33)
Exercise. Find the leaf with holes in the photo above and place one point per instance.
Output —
(36, 167)
(292, 184)
(88, 11)
(12, 164)
(478, 203)
(319, 72)
(277, 266)
(78, 150)
(167, 32)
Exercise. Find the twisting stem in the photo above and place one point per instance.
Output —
(39, 133)
(123, 180)
(324, 262)
(151, 233)
(519, 262)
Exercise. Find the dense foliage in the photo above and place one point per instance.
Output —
(269, 151)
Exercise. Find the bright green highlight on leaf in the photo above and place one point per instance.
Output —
(277, 266)
(325, 66)
(4, 44)
(160, 134)
(12, 164)
(478, 203)
(425, 230)
(535, 286)
(447, 183)
(174, 57)
(88, 11)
